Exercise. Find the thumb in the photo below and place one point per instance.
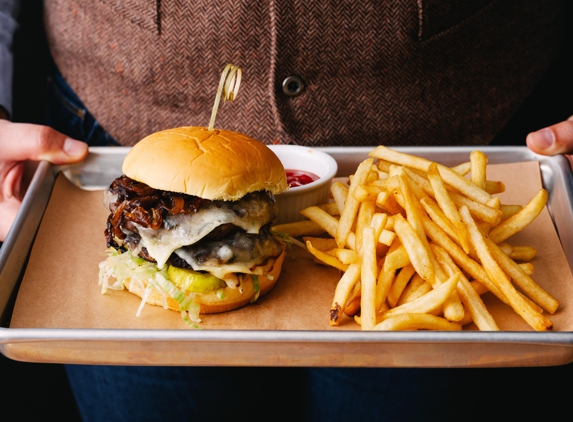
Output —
(552, 140)
(22, 141)
(63, 151)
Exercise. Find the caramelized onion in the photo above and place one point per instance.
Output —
(139, 204)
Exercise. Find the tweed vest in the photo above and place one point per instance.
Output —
(393, 72)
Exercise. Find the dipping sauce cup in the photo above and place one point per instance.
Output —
(307, 160)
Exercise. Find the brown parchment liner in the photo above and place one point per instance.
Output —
(60, 288)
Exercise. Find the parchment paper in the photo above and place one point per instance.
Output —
(60, 287)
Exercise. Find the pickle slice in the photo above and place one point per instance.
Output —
(194, 281)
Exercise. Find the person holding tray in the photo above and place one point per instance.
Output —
(366, 73)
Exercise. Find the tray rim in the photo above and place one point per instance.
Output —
(46, 171)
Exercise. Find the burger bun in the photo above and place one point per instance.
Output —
(211, 164)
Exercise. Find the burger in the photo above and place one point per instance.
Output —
(189, 223)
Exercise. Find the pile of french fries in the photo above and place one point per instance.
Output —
(417, 244)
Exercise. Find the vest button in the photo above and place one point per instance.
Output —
(293, 86)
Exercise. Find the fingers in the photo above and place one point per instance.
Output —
(8, 210)
(10, 186)
(20, 142)
(552, 140)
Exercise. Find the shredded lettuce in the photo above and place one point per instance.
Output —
(289, 241)
(128, 268)
(257, 287)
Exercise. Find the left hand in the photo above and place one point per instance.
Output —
(21, 143)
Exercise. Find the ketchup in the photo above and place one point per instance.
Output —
(299, 178)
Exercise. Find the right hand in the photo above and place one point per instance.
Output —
(553, 140)
(20, 142)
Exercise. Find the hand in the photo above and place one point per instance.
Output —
(553, 140)
(20, 142)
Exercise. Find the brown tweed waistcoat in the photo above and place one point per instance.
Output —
(394, 72)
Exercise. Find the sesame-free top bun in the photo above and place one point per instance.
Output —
(216, 164)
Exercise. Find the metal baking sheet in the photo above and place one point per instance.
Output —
(276, 348)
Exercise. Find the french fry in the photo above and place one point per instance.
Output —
(396, 258)
(339, 192)
(331, 208)
(420, 179)
(521, 279)
(507, 210)
(483, 212)
(416, 251)
(346, 256)
(523, 253)
(358, 319)
(501, 280)
(353, 306)
(387, 202)
(321, 218)
(527, 268)
(365, 193)
(410, 205)
(348, 214)
(399, 284)
(382, 175)
(417, 321)
(299, 228)
(416, 287)
(321, 243)
(494, 203)
(413, 283)
(417, 191)
(342, 292)
(365, 213)
(479, 288)
(387, 237)
(463, 168)
(383, 284)
(463, 185)
(368, 273)
(448, 206)
(506, 248)
(379, 183)
(436, 214)
(326, 258)
(430, 302)
(393, 156)
(493, 187)
(467, 319)
(478, 168)
(327, 222)
(378, 223)
(521, 219)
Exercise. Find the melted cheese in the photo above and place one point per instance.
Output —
(188, 229)
(222, 271)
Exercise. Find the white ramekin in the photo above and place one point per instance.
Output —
(295, 157)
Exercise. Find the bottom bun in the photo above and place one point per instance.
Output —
(210, 302)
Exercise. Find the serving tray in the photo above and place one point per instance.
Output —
(270, 347)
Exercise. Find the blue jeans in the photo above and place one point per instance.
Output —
(131, 393)
(66, 113)
(124, 393)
